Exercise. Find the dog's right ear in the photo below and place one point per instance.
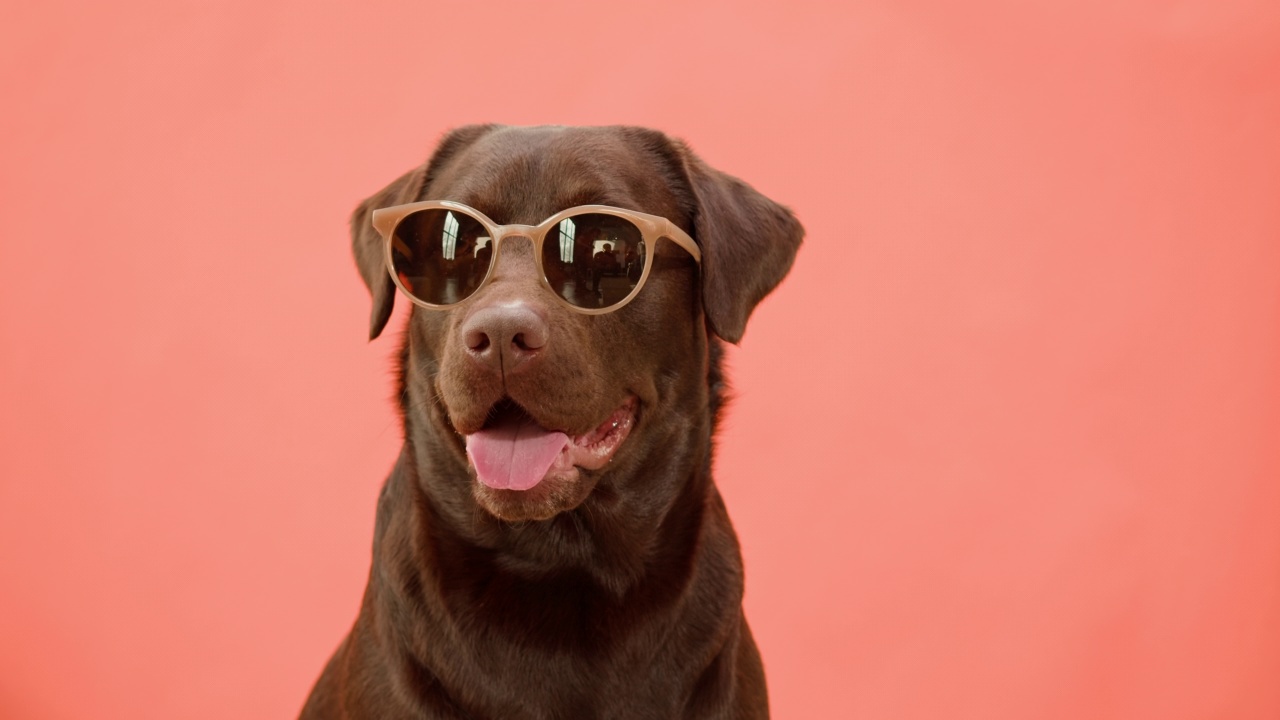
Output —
(367, 244)
(368, 248)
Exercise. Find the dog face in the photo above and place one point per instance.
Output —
(530, 409)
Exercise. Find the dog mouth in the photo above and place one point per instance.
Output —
(513, 452)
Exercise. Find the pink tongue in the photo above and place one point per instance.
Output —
(514, 455)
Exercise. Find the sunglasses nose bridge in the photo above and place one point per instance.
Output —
(514, 241)
(513, 256)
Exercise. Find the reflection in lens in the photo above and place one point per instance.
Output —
(593, 260)
(440, 256)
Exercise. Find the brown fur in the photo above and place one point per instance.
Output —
(617, 595)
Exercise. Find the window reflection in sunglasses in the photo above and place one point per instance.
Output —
(593, 260)
(440, 256)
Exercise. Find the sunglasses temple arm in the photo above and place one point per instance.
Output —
(681, 238)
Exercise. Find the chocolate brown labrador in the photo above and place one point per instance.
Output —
(611, 587)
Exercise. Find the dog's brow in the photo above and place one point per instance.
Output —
(589, 196)
(493, 210)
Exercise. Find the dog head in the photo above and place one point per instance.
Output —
(528, 408)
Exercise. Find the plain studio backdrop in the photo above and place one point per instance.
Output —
(1006, 443)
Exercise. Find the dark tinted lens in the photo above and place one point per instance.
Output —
(440, 256)
(593, 260)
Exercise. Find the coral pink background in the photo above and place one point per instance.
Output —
(1007, 442)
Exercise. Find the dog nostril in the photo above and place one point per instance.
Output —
(478, 342)
(531, 338)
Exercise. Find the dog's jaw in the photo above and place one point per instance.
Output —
(563, 485)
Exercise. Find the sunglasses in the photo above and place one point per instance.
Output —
(593, 258)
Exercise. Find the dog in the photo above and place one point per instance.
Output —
(550, 542)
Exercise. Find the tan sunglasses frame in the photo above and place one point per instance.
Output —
(652, 228)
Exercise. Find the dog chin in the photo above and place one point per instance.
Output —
(560, 491)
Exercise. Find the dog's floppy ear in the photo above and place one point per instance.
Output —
(748, 243)
(367, 243)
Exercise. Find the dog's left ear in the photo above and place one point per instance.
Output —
(748, 244)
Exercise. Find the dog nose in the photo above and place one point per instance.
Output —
(505, 338)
